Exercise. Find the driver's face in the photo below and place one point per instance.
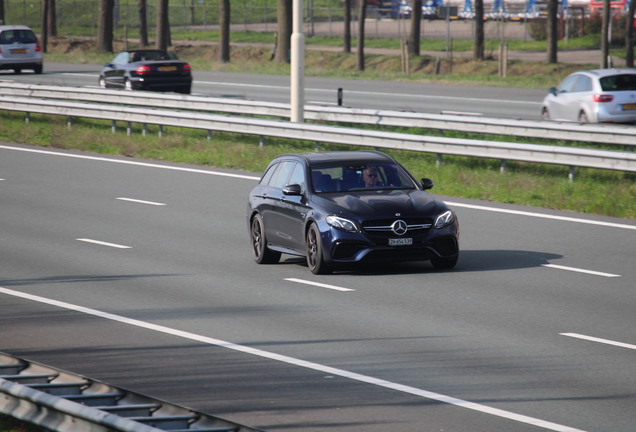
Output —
(370, 177)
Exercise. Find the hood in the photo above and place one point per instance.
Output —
(383, 203)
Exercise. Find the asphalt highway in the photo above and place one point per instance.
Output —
(499, 102)
(139, 273)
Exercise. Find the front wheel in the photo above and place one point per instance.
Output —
(315, 260)
(545, 114)
(102, 82)
(583, 117)
(262, 254)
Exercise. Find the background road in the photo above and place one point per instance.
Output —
(385, 95)
(505, 342)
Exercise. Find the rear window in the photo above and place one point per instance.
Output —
(619, 82)
(17, 36)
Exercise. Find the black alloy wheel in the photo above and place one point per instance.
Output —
(315, 260)
(262, 254)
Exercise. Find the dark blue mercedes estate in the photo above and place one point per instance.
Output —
(341, 208)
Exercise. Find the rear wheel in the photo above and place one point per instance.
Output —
(545, 114)
(583, 117)
(315, 259)
(128, 85)
(38, 69)
(262, 254)
(102, 82)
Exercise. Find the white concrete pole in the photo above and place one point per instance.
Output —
(297, 65)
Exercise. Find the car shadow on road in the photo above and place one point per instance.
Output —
(469, 261)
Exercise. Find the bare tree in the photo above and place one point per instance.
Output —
(224, 23)
(629, 34)
(362, 16)
(478, 49)
(2, 16)
(45, 25)
(283, 42)
(163, 25)
(105, 26)
(142, 10)
(552, 30)
(605, 34)
(416, 28)
(347, 26)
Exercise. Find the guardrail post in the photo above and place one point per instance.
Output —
(261, 141)
(503, 166)
(571, 174)
(209, 134)
(439, 160)
(318, 145)
(113, 126)
(27, 119)
(340, 96)
(69, 122)
(129, 129)
(144, 129)
(160, 131)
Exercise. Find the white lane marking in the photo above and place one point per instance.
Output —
(300, 363)
(599, 340)
(541, 215)
(579, 270)
(127, 162)
(318, 284)
(141, 201)
(102, 243)
(256, 178)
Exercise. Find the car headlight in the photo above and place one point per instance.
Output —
(342, 223)
(444, 219)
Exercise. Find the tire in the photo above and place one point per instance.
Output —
(38, 69)
(128, 85)
(102, 82)
(262, 254)
(545, 114)
(17, 71)
(315, 259)
(444, 263)
(583, 117)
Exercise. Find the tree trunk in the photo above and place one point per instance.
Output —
(283, 43)
(2, 15)
(45, 25)
(605, 34)
(142, 10)
(629, 35)
(224, 23)
(362, 16)
(52, 18)
(478, 53)
(416, 28)
(347, 26)
(163, 25)
(553, 30)
(105, 26)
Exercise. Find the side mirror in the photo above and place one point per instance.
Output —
(553, 91)
(108, 65)
(427, 184)
(293, 189)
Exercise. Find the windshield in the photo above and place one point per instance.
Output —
(343, 178)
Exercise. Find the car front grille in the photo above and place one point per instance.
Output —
(382, 228)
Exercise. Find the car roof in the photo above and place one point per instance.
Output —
(326, 158)
(14, 27)
(601, 73)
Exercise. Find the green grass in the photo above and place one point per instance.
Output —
(523, 183)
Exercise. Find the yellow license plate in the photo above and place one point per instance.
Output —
(18, 51)
(629, 106)
(167, 68)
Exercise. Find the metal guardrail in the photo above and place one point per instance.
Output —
(572, 157)
(61, 401)
(605, 134)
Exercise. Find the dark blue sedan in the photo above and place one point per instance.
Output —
(342, 208)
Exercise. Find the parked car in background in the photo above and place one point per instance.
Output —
(150, 69)
(20, 49)
(593, 96)
(341, 208)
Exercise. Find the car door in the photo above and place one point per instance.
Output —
(564, 106)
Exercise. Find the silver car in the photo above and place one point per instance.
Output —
(593, 96)
(19, 49)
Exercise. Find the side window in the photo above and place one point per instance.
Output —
(298, 177)
(568, 84)
(268, 175)
(279, 179)
(583, 84)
